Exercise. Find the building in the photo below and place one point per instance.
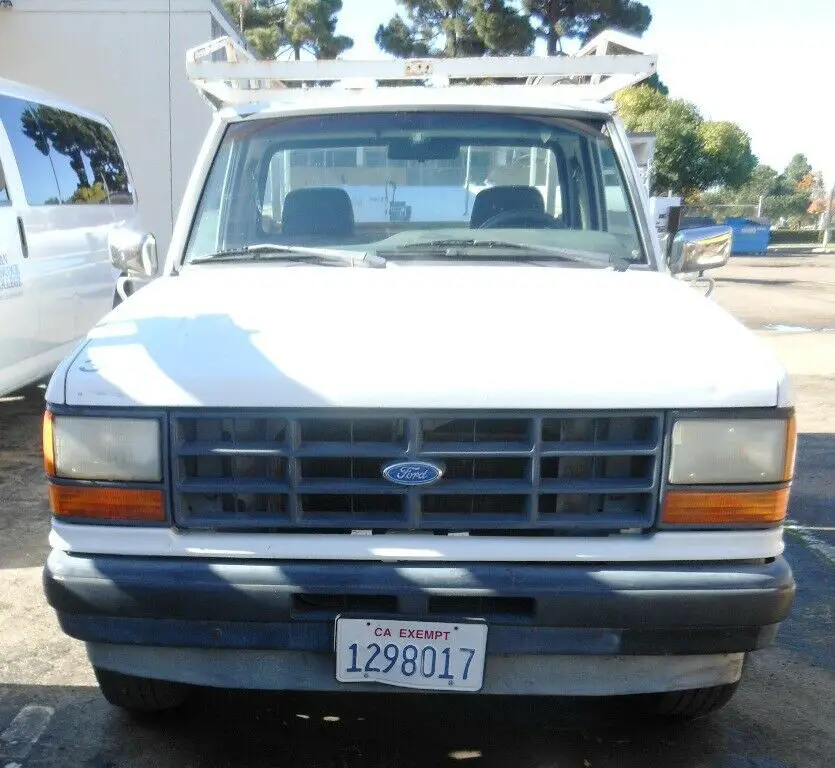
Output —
(126, 60)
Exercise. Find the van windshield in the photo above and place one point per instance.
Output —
(419, 183)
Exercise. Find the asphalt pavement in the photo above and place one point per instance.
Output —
(783, 716)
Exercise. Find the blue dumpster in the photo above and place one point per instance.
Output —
(749, 236)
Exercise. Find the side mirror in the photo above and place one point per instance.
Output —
(134, 253)
(700, 248)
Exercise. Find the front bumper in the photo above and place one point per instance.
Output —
(139, 613)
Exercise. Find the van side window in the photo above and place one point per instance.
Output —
(4, 192)
(86, 159)
(113, 170)
(31, 150)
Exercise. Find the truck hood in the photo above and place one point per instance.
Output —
(420, 337)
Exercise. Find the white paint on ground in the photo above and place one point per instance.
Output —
(24, 731)
(820, 547)
(781, 328)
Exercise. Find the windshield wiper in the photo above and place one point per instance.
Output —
(460, 246)
(273, 251)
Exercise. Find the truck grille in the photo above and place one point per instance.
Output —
(545, 473)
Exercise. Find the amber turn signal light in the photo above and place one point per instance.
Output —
(48, 443)
(128, 504)
(725, 507)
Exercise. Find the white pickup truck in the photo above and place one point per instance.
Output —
(347, 441)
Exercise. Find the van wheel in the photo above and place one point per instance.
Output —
(692, 704)
(140, 694)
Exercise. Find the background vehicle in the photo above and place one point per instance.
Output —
(64, 188)
(343, 444)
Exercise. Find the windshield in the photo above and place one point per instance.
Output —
(414, 185)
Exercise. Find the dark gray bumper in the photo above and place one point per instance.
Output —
(531, 609)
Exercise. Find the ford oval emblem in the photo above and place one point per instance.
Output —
(413, 473)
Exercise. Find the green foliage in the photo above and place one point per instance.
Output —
(640, 107)
(657, 84)
(455, 28)
(786, 206)
(94, 194)
(727, 153)
(502, 29)
(797, 170)
(764, 181)
(271, 26)
(786, 196)
(796, 236)
(691, 154)
(310, 25)
(556, 20)
(263, 40)
(401, 40)
(262, 22)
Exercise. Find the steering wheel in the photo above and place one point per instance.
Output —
(521, 217)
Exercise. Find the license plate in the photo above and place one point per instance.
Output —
(411, 654)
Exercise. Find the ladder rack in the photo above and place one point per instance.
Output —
(227, 74)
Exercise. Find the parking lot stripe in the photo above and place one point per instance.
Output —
(24, 731)
(820, 547)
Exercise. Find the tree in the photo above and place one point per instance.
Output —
(727, 150)
(260, 21)
(583, 19)
(763, 181)
(456, 28)
(310, 25)
(264, 41)
(655, 82)
(273, 27)
(679, 163)
(793, 205)
(797, 169)
(502, 29)
(691, 154)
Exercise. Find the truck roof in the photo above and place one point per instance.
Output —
(500, 98)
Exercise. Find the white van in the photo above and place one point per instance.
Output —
(64, 188)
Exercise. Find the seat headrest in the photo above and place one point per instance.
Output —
(495, 200)
(317, 211)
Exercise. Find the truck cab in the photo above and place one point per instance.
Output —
(418, 404)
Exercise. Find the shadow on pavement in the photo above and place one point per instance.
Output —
(24, 509)
(225, 728)
(754, 281)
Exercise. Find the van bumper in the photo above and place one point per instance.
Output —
(552, 628)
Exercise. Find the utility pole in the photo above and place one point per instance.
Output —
(760, 206)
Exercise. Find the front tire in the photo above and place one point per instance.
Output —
(694, 703)
(140, 695)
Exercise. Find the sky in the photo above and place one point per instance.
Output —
(768, 65)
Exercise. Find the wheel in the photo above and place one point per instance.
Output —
(140, 694)
(689, 705)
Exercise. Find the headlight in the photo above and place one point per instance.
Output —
(731, 451)
(91, 448)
